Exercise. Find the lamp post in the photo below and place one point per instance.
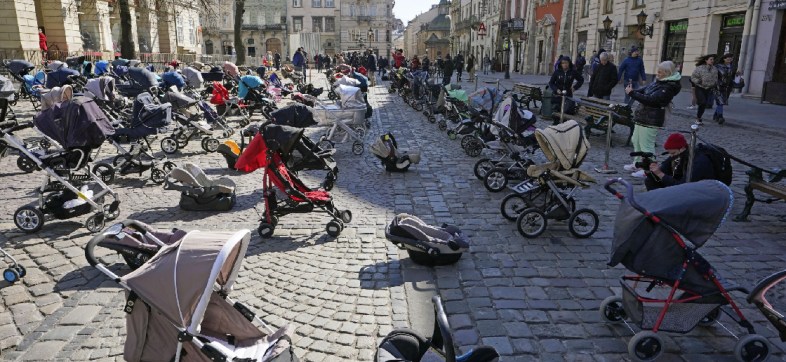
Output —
(610, 33)
(506, 47)
(644, 28)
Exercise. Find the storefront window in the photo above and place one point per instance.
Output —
(674, 48)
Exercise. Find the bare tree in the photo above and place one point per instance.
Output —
(240, 49)
(126, 40)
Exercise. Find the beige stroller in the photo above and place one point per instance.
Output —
(178, 305)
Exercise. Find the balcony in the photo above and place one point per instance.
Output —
(364, 18)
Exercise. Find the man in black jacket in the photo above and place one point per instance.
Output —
(566, 79)
(604, 79)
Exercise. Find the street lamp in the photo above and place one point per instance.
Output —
(644, 28)
(610, 33)
(506, 47)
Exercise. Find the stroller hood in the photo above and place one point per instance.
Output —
(485, 98)
(7, 89)
(143, 77)
(59, 77)
(56, 95)
(179, 279)
(193, 77)
(351, 97)
(102, 66)
(102, 88)
(564, 143)
(179, 100)
(517, 119)
(281, 138)
(231, 69)
(173, 78)
(248, 82)
(75, 123)
(296, 115)
(20, 67)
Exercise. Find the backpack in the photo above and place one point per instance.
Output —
(721, 161)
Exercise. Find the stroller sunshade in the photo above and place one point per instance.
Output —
(281, 138)
(296, 115)
(102, 88)
(20, 67)
(143, 77)
(7, 89)
(564, 143)
(179, 100)
(75, 123)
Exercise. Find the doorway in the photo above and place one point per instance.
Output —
(731, 35)
(780, 57)
(540, 57)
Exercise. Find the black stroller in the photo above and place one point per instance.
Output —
(656, 236)
(140, 80)
(20, 71)
(191, 124)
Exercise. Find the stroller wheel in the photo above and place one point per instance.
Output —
(531, 223)
(325, 144)
(334, 228)
(432, 119)
(611, 310)
(158, 176)
(443, 125)
(25, 164)
(11, 275)
(645, 346)
(120, 160)
(417, 105)
(135, 261)
(583, 223)
(44, 144)
(210, 144)
(346, 216)
(357, 148)
(182, 139)
(95, 223)
(104, 171)
(361, 131)
(168, 166)
(474, 148)
(21, 270)
(29, 219)
(109, 214)
(466, 140)
(482, 167)
(752, 347)
(266, 229)
(512, 205)
(169, 145)
(495, 180)
(452, 134)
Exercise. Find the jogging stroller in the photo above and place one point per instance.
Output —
(178, 306)
(198, 192)
(550, 192)
(30, 85)
(269, 149)
(426, 244)
(408, 345)
(80, 127)
(393, 160)
(657, 235)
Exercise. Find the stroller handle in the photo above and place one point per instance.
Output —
(442, 327)
(113, 230)
(11, 127)
(630, 196)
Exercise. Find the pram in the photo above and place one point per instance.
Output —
(394, 160)
(172, 79)
(268, 150)
(102, 90)
(426, 244)
(408, 345)
(227, 105)
(551, 191)
(193, 78)
(30, 85)
(657, 235)
(178, 306)
(79, 126)
(189, 116)
(346, 118)
(140, 80)
(251, 89)
(198, 192)
(59, 75)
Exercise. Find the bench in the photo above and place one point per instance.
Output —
(595, 113)
(756, 182)
(530, 93)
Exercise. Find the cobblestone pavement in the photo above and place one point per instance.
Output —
(532, 299)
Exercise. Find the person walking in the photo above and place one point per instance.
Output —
(42, 44)
(486, 64)
(631, 71)
(426, 63)
(447, 70)
(654, 103)
(725, 85)
(581, 61)
(603, 79)
(371, 67)
(298, 60)
(471, 67)
(277, 60)
(458, 66)
(398, 58)
(705, 81)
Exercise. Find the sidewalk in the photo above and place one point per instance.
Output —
(740, 112)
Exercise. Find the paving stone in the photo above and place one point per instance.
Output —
(81, 315)
(43, 351)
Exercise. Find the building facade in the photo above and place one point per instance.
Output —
(367, 24)
(314, 25)
(434, 36)
(415, 35)
(764, 66)
(263, 29)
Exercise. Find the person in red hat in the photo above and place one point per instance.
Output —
(674, 170)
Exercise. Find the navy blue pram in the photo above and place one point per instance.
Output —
(59, 77)
(140, 80)
(147, 118)
(170, 79)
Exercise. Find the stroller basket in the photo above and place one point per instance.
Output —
(643, 308)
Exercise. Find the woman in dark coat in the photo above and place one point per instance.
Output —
(447, 70)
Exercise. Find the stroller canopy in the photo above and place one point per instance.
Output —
(231, 69)
(120, 62)
(75, 123)
(281, 138)
(295, 115)
(102, 88)
(143, 77)
(179, 100)
(56, 95)
(694, 209)
(248, 82)
(193, 77)
(351, 97)
(516, 118)
(7, 89)
(55, 65)
(172, 78)
(59, 77)
(20, 67)
(485, 98)
(102, 66)
(179, 279)
(564, 143)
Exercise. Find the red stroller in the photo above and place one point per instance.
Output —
(270, 149)
(656, 235)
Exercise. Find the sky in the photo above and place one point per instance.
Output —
(406, 10)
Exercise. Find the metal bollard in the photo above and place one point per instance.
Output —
(606, 169)
(691, 151)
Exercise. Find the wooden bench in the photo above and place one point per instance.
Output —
(756, 182)
(531, 93)
(595, 113)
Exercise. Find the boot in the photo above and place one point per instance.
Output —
(721, 120)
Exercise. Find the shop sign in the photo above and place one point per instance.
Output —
(679, 26)
(735, 20)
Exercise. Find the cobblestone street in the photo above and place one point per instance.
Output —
(532, 299)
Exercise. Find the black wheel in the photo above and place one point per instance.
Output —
(418, 106)
(104, 171)
(531, 223)
(158, 176)
(346, 216)
(452, 134)
(482, 167)
(26, 164)
(169, 145)
(168, 166)
(334, 228)
(95, 223)
(583, 223)
(752, 348)
(327, 185)
(210, 144)
(266, 229)
(495, 180)
(135, 261)
(443, 125)
(474, 148)
(361, 131)
(29, 219)
(21, 270)
(45, 145)
(11, 275)
(645, 346)
(326, 144)
(710, 318)
(120, 160)
(109, 214)
(357, 148)
(466, 140)
(182, 139)
(512, 206)
(611, 310)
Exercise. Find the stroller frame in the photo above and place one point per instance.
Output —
(23, 92)
(340, 130)
(131, 161)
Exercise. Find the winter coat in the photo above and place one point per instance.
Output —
(563, 80)
(656, 96)
(725, 75)
(42, 42)
(705, 76)
(415, 63)
(447, 67)
(426, 64)
(298, 60)
(371, 63)
(470, 63)
(458, 63)
(632, 69)
(580, 63)
(675, 170)
(603, 80)
(398, 60)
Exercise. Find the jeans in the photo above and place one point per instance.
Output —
(643, 140)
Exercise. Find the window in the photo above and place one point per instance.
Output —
(316, 3)
(638, 4)
(608, 6)
(297, 3)
(585, 8)
(191, 31)
(250, 41)
(179, 30)
(330, 4)
(297, 24)
(252, 52)
(330, 24)
(372, 11)
(316, 24)
(226, 21)
(352, 10)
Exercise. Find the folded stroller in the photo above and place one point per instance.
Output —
(198, 192)
(550, 192)
(426, 244)
(178, 306)
(657, 235)
(408, 345)
(393, 160)
(267, 150)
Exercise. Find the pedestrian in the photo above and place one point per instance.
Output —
(42, 43)
(458, 66)
(564, 82)
(631, 71)
(595, 61)
(581, 61)
(447, 70)
(426, 64)
(486, 64)
(674, 170)
(471, 67)
(705, 80)
(327, 62)
(603, 79)
(371, 67)
(318, 62)
(725, 85)
(398, 58)
(277, 60)
(414, 64)
(654, 101)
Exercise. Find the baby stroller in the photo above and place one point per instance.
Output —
(102, 90)
(59, 75)
(228, 105)
(140, 80)
(198, 192)
(408, 345)
(251, 90)
(393, 160)
(190, 125)
(346, 118)
(657, 235)
(30, 85)
(80, 127)
(426, 244)
(551, 191)
(178, 306)
(269, 149)
(193, 79)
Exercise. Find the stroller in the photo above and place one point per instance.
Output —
(269, 150)
(393, 160)
(228, 105)
(79, 126)
(550, 192)
(426, 244)
(30, 85)
(140, 80)
(657, 236)
(198, 192)
(252, 91)
(178, 306)
(190, 125)
(346, 118)
(408, 345)
(60, 75)
(102, 90)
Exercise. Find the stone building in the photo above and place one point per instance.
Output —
(367, 24)
(433, 38)
(412, 42)
(764, 67)
(263, 28)
(314, 25)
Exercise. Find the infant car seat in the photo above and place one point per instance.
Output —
(198, 192)
(393, 159)
(426, 244)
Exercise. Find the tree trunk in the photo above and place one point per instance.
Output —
(126, 37)
(240, 49)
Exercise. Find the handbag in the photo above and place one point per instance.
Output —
(649, 116)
